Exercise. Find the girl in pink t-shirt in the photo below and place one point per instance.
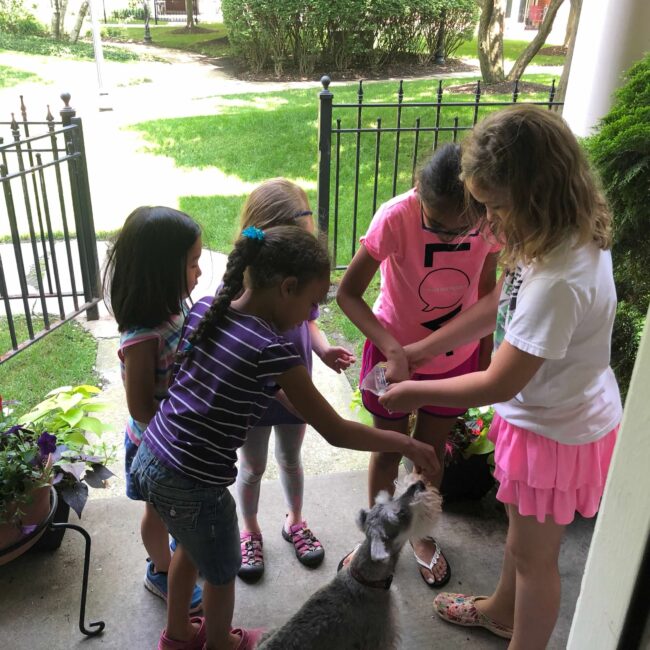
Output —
(434, 263)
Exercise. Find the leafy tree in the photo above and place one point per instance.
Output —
(490, 41)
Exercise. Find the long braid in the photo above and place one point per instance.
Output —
(241, 256)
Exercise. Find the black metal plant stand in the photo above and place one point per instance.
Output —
(48, 523)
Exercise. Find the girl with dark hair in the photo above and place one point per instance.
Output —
(556, 398)
(233, 363)
(150, 271)
(434, 263)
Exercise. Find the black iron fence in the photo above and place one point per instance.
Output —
(370, 151)
(49, 271)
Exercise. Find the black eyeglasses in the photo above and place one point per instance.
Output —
(431, 225)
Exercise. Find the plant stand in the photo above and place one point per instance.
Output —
(50, 525)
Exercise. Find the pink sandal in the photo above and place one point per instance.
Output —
(197, 643)
(249, 638)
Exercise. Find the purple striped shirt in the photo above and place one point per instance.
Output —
(218, 393)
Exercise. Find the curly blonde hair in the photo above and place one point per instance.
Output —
(531, 155)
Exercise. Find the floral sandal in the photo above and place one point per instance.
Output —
(252, 556)
(461, 610)
(309, 550)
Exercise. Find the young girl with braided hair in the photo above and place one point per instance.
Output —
(279, 202)
(233, 362)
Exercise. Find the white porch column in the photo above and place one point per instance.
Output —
(612, 34)
(623, 524)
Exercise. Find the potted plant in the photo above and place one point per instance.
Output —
(26, 474)
(469, 457)
(67, 421)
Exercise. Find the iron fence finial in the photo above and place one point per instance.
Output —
(325, 81)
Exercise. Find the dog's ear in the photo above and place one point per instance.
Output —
(361, 519)
(378, 550)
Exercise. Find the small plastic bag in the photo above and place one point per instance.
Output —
(375, 381)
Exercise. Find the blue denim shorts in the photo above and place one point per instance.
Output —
(130, 450)
(202, 518)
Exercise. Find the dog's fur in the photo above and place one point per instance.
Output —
(347, 614)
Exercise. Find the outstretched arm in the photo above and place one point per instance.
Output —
(473, 324)
(511, 369)
(316, 410)
(334, 356)
(350, 298)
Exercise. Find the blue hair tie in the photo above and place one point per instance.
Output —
(253, 233)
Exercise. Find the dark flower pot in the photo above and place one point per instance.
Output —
(467, 478)
(52, 539)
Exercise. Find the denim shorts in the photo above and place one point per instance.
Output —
(130, 450)
(202, 518)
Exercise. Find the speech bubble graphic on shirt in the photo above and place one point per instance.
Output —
(443, 288)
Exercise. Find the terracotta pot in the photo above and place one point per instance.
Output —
(36, 511)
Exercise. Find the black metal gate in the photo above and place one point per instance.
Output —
(374, 148)
(49, 271)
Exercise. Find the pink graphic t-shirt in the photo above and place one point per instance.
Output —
(425, 281)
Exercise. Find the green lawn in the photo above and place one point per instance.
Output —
(47, 364)
(12, 76)
(253, 137)
(212, 43)
(511, 50)
(48, 47)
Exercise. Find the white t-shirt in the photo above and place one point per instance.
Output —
(563, 311)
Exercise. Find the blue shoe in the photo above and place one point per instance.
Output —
(156, 583)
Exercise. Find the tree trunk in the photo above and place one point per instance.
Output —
(54, 23)
(534, 46)
(490, 40)
(561, 88)
(76, 30)
(189, 15)
(572, 21)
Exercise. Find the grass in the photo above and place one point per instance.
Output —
(511, 50)
(252, 137)
(212, 43)
(47, 364)
(46, 46)
(12, 76)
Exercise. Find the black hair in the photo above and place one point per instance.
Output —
(145, 277)
(439, 183)
(282, 252)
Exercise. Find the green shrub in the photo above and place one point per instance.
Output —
(16, 19)
(620, 152)
(339, 33)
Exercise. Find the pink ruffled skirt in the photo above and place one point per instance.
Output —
(544, 477)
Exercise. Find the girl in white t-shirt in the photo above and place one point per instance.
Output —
(556, 398)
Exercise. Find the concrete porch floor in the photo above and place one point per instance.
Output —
(40, 592)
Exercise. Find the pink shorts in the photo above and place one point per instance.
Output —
(544, 477)
(372, 356)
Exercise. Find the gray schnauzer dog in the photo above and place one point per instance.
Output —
(355, 611)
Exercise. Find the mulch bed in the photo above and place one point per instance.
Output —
(403, 70)
(503, 87)
(553, 50)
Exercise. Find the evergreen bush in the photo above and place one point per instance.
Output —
(16, 19)
(620, 151)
